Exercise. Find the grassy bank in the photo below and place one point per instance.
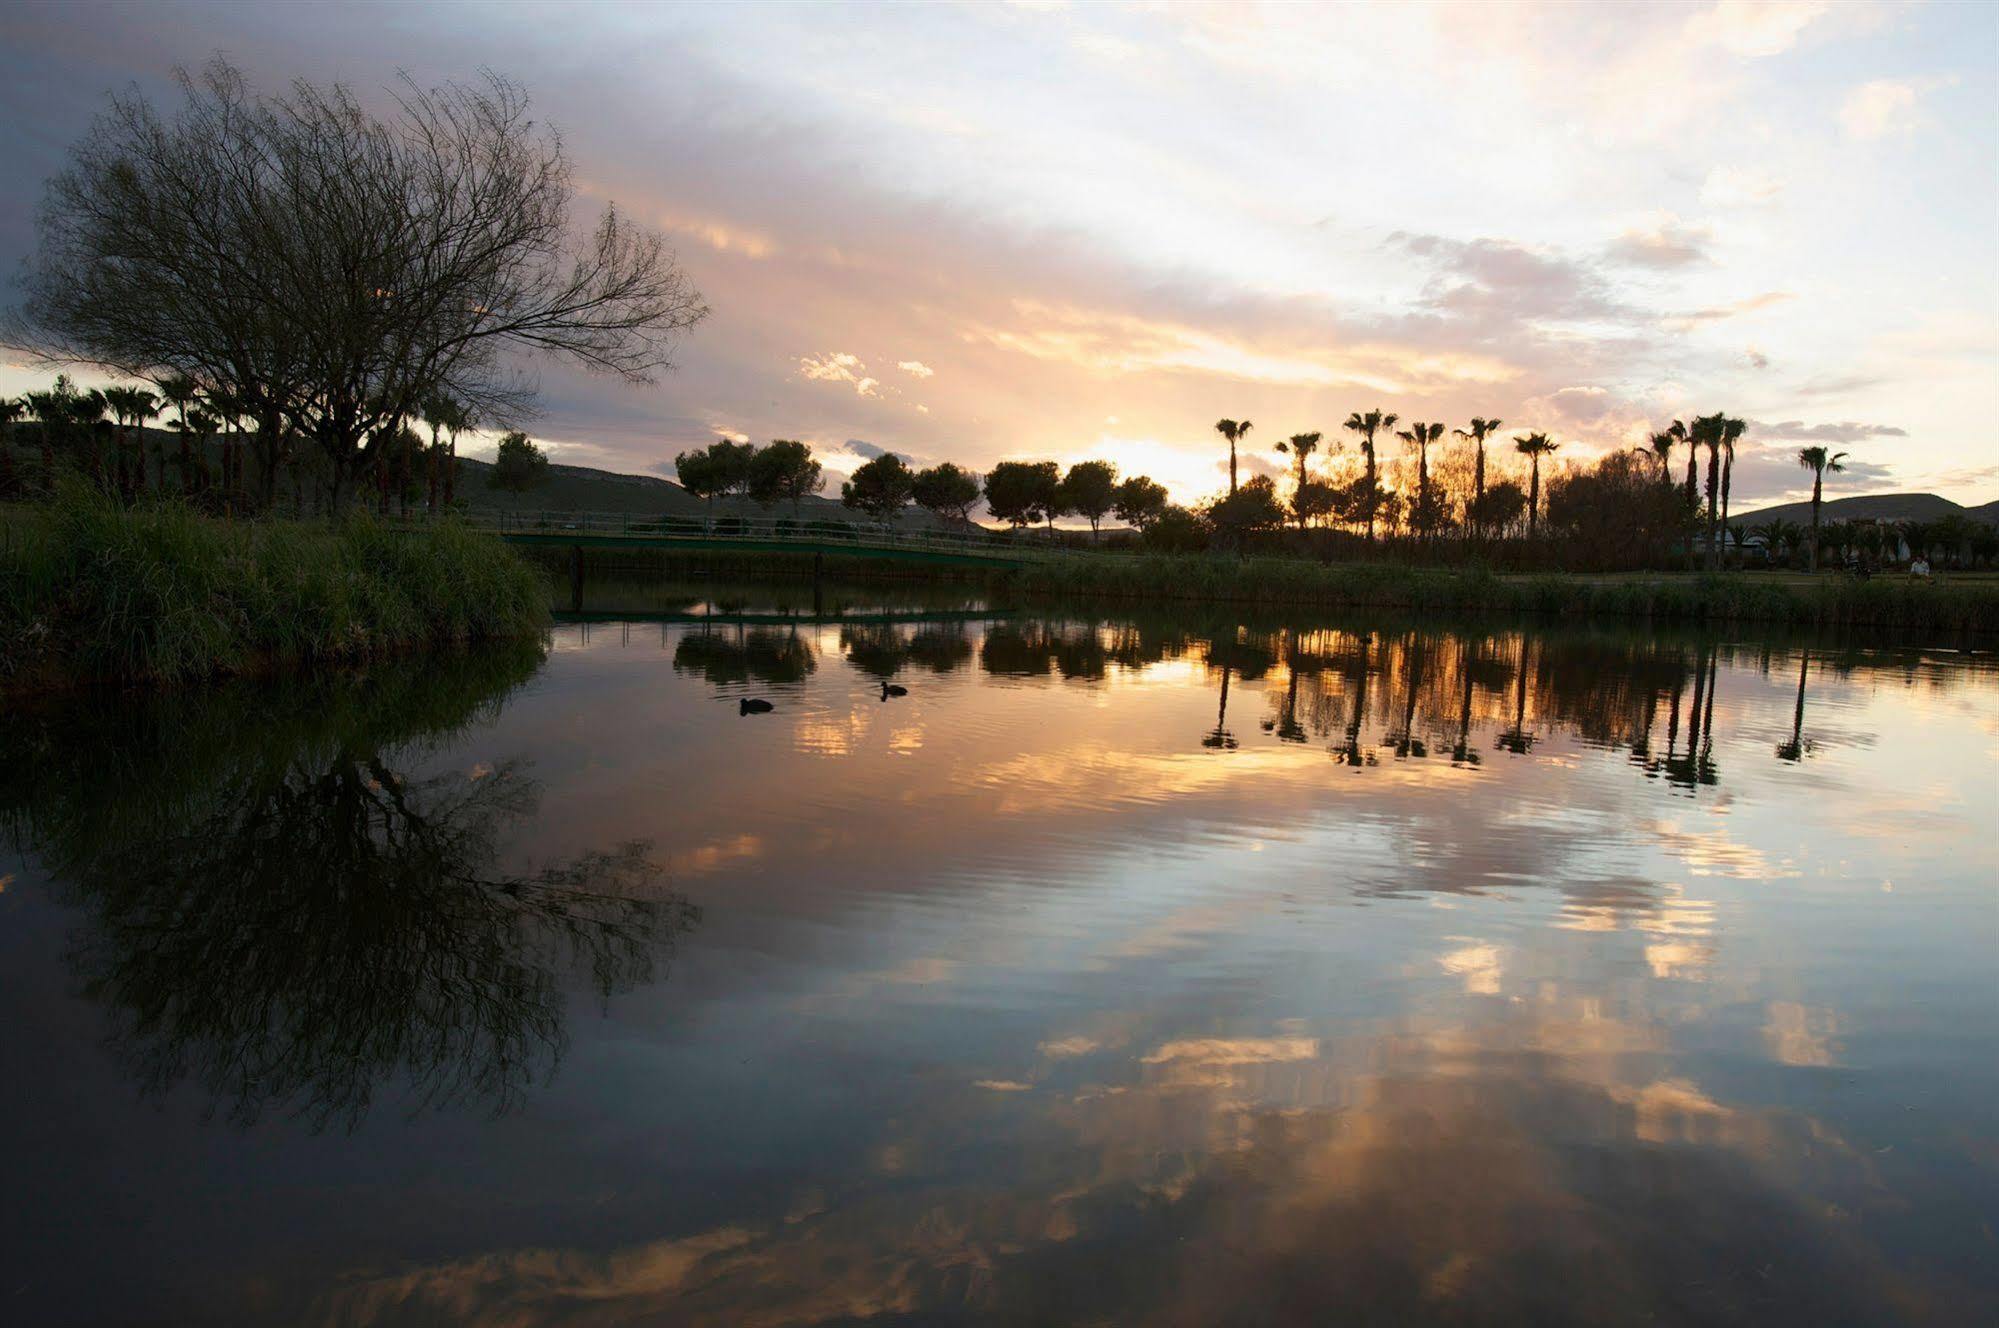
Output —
(90, 591)
(1886, 602)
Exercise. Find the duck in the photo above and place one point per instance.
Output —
(890, 689)
(754, 705)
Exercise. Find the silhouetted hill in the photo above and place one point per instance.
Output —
(1869, 507)
(583, 489)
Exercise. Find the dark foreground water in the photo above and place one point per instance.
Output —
(1177, 970)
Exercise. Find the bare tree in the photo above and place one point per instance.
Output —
(332, 269)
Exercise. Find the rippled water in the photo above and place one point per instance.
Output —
(1166, 968)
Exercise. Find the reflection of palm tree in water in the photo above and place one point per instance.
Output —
(1796, 748)
(298, 925)
(1404, 741)
(1349, 752)
(1221, 739)
(1462, 752)
(1286, 725)
(1517, 739)
(1694, 764)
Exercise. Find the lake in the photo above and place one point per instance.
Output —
(1159, 967)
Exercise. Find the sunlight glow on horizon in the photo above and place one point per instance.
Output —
(1066, 214)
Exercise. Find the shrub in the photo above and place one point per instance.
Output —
(91, 590)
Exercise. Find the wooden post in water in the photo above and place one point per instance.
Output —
(576, 578)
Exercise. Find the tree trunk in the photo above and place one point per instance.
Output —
(1478, 488)
(1693, 501)
(1818, 484)
(1727, 473)
(1368, 447)
(1533, 495)
(1231, 468)
(1713, 497)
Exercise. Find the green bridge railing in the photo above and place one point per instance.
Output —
(762, 531)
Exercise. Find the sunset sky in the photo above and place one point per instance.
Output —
(980, 232)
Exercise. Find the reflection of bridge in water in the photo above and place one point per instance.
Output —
(873, 618)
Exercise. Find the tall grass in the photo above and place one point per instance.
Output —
(89, 590)
(1829, 601)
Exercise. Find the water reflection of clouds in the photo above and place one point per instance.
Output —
(1509, 1110)
(1449, 1169)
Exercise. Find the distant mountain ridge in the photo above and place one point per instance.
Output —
(1871, 507)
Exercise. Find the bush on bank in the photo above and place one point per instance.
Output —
(89, 590)
(1829, 601)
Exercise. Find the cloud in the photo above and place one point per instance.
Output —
(915, 368)
(840, 367)
(1739, 187)
(1754, 28)
(864, 449)
(1846, 431)
(1715, 313)
(1884, 106)
(1505, 281)
(1757, 359)
(1669, 244)
(1767, 471)
(1580, 403)
(835, 367)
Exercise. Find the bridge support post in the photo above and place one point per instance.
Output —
(576, 578)
(818, 574)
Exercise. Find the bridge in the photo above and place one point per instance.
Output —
(621, 530)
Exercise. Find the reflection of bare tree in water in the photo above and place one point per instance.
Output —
(1797, 747)
(297, 925)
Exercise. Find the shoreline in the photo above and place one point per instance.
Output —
(1887, 603)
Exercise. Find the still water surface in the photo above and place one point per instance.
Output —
(1172, 969)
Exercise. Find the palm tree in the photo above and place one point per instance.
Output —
(182, 393)
(1367, 426)
(1419, 436)
(1481, 429)
(11, 410)
(1731, 433)
(1682, 434)
(1233, 430)
(1301, 446)
(51, 412)
(443, 413)
(133, 406)
(1818, 461)
(1534, 446)
(86, 411)
(1661, 449)
(1706, 432)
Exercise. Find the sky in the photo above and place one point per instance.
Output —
(981, 232)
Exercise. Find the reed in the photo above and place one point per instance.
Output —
(90, 591)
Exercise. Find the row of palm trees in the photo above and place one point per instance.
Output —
(1717, 435)
(1365, 501)
(65, 414)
